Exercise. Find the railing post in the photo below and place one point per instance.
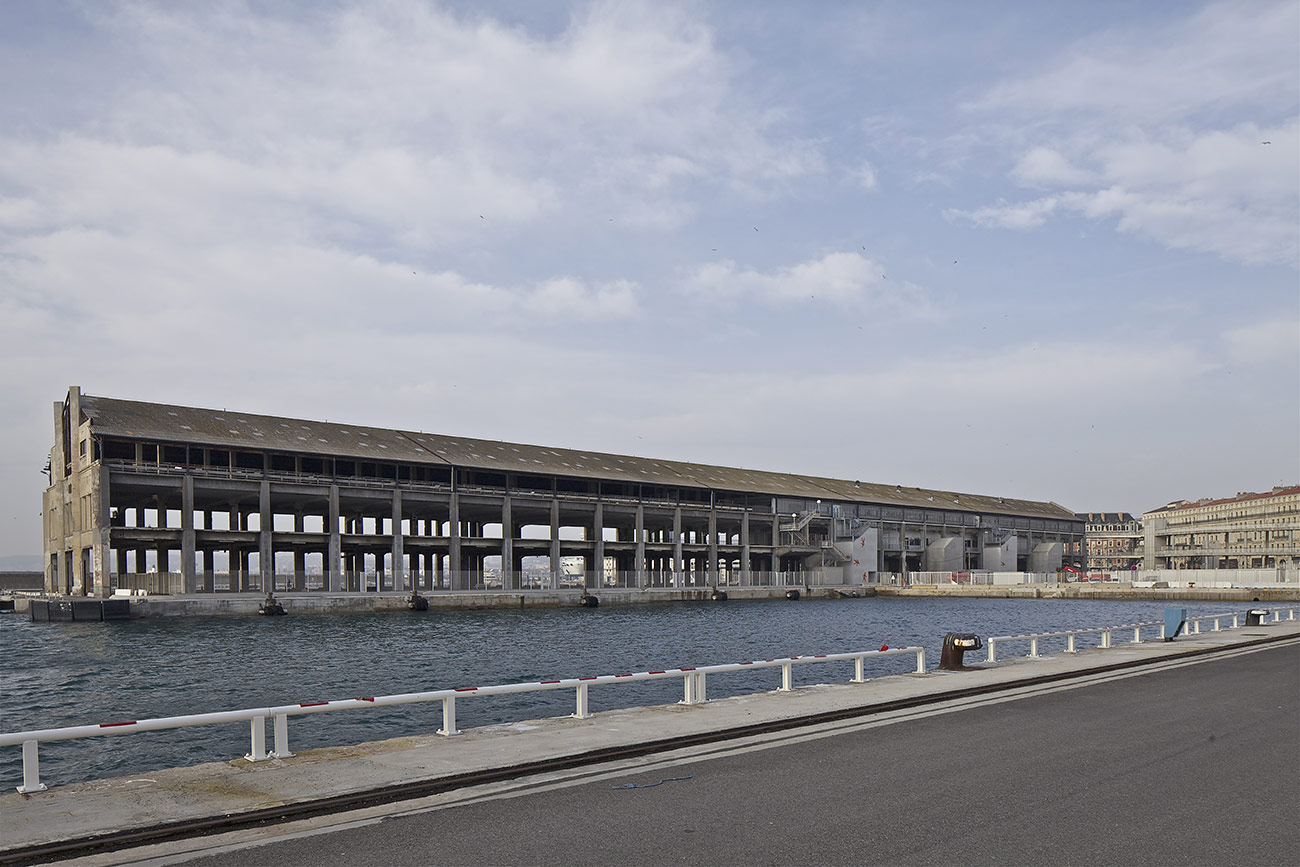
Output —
(448, 717)
(993, 657)
(860, 669)
(1216, 624)
(581, 712)
(1033, 648)
(1137, 634)
(1069, 643)
(920, 660)
(787, 677)
(1235, 621)
(701, 691)
(31, 768)
(688, 684)
(282, 737)
(257, 752)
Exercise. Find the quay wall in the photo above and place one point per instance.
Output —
(1118, 591)
(243, 604)
(208, 604)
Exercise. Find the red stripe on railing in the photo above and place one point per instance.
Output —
(111, 725)
(548, 681)
(744, 663)
(365, 698)
(692, 668)
(656, 672)
(466, 689)
(311, 703)
(589, 677)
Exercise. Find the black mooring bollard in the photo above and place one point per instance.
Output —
(1255, 616)
(955, 646)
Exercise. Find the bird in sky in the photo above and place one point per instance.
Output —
(1266, 142)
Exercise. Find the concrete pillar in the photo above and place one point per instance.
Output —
(454, 565)
(509, 579)
(641, 566)
(555, 543)
(187, 534)
(712, 567)
(598, 525)
(299, 581)
(776, 537)
(678, 566)
(101, 522)
(265, 559)
(333, 564)
(745, 578)
(399, 558)
(209, 576)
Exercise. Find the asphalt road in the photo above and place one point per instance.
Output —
(1192, 765)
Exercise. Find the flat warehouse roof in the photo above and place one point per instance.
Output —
(166, 423)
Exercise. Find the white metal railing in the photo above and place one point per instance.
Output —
(1193, 627)
(693, 680)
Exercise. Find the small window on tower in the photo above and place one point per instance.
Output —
(83, 448)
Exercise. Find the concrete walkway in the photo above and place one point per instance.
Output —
(110, 813)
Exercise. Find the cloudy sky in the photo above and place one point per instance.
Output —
(1036, 250)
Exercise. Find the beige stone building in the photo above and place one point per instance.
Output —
(1248, 531)
(1114, 540)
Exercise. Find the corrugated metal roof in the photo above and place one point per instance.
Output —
(239, 430)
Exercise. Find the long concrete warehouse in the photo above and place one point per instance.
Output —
(185, 500)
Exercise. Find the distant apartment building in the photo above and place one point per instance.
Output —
(1114, 541)
(1248, 531)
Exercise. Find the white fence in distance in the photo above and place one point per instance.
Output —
(1107, 632)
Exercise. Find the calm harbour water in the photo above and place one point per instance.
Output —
(63, 674)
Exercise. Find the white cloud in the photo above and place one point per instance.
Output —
(1271, 341)
(1043, 166)
(402, 121)
(1161, 131)
(1006, 215)
(842, 279)
(1220, 191)
(572, 298)
(1227, 56)
(864, 176)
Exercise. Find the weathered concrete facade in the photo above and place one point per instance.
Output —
(179, 499)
